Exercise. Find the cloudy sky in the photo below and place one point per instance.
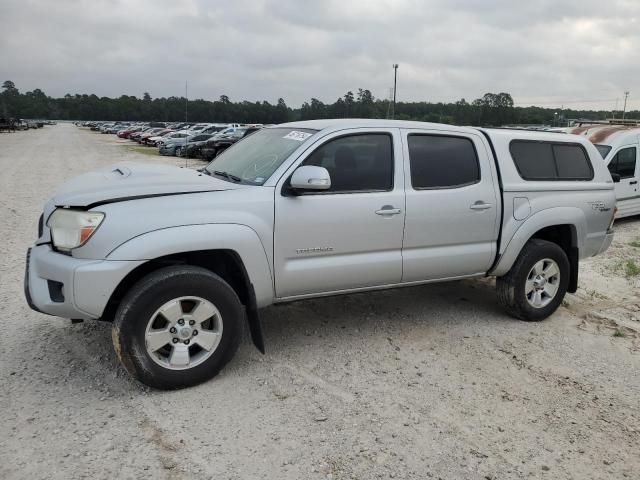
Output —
(580, 53)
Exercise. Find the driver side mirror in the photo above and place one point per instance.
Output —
(309, 177)
(616, 177)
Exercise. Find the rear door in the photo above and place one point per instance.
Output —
(452, 203)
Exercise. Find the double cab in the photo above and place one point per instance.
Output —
(181, 261)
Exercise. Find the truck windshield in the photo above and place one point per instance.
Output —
(254, 159)
(603, 149)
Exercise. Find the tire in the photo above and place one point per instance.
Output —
(514, 288)
(177, 151)
(181, 288)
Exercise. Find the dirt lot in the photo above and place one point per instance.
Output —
(425, 382)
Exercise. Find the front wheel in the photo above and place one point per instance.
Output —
(178, 151)
(177, 327)
(537, 283)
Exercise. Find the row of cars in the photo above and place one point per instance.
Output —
(202, 140)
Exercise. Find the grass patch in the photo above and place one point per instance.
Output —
(631, 268)
(619, 333)
(143, 150)
(635, 243)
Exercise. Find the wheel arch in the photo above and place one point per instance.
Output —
(564, 226)
(234, 252)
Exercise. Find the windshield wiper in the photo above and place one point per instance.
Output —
(227, 175)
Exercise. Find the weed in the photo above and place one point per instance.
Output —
(619, 333)
(631, 268)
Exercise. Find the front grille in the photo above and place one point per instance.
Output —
(41, 225)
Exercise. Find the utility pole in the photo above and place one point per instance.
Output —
(186, 100)
(624, 109)
(395, 84)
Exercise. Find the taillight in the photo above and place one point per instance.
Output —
(613, 217)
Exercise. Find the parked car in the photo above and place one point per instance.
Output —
(172, 145)
(620, 148)
(219, 143)
(191, 147)
(136, 135)
(152, 141)
(180, 259)
(127, 132)
(148, 134)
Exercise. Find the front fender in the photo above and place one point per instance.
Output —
(188, 238)
(546, 218)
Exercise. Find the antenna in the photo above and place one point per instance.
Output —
(186, 111)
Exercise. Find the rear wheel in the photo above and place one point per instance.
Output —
(537, 283)
(178, 151)
(178, 327)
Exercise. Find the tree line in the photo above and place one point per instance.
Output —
(492, 109)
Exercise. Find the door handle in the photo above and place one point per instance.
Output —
(388, 210)
(635, 182)
(480, 205)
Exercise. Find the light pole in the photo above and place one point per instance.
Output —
(624, 109)
(395, 84)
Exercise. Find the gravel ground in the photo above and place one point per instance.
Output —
(426, 382)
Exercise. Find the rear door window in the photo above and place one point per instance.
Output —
(439, 161)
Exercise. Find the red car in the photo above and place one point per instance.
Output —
(146, 139)
(148, 134)
(127, 133)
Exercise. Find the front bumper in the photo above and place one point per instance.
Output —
(60, 285)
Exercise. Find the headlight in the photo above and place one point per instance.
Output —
(72, 228)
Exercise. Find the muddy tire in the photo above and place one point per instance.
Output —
(536, 284)
(177, 327)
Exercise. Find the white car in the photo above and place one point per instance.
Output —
(619, 145)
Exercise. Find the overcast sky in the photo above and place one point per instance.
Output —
(580, 53)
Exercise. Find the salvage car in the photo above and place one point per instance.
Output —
(181, 261)
(619, 146)
(172, 144)
(191, 147)
(220, 142)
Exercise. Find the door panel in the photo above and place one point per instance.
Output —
(626, 163)
(333, 241)
(452, 230)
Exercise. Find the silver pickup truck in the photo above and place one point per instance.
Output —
(181, 261)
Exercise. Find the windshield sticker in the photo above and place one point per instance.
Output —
(298, 136)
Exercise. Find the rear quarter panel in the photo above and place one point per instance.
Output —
(530, 206)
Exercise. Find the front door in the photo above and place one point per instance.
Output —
(349, 236)
(452, 206)
(625, 163)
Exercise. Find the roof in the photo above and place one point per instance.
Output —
(606, 134)
(539, 135)
(367, 123)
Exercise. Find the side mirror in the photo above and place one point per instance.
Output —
(309, 177)
(616, 177)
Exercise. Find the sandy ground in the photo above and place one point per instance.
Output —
(425, 382)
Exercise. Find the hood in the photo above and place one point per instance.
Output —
(129, 180)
